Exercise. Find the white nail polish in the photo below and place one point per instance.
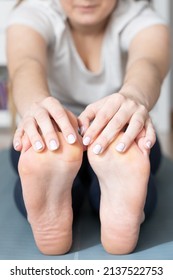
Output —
(53, 145)
(120, 147)
(148, 144)
(97, 149)
(38, 146)
(86, 141)
(17, 144)
(71, 139)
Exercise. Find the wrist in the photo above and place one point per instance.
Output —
(135, 93)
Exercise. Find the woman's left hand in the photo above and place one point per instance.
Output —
(101, 122)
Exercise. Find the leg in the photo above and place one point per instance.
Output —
(123, 180)
(155, 157)
(47, 180)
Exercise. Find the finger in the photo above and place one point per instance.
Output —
(47, 128)
(140, 140)
(109, 133)
(26, 144)
(89, 114)
(95, 128)
(17, 139)
(60, 116)
(147, 137)
(85, 118)
(101, 120)
(150, 137)
(34, 136)
(135, 126)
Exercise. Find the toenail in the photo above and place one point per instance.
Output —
(120, 147)
(38, 146)
(71, 139)
(53, 145)
(97, 149)
(86, 141)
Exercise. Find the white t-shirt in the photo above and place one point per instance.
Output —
(69, 80)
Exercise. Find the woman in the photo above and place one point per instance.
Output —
(93, 67)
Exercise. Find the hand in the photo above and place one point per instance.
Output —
(42, 121)
(102, 121)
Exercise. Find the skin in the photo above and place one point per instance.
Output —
(101, 123)
(147, 66)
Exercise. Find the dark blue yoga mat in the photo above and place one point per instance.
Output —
(156, 236)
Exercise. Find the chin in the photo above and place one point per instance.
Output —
(88, 21)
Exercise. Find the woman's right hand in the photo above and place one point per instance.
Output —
(42, 121)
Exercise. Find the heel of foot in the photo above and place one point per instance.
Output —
(54, 247)
(120, 243)
(54, 240)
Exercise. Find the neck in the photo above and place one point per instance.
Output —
(83, 30)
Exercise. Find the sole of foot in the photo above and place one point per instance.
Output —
(123, 179)
(47, 179)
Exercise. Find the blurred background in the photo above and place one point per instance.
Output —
(162, 114)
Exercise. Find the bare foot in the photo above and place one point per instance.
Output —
(47, 179)
(123, 181)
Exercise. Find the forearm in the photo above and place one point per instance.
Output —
(143, 82)
(147, 66)
(29, 85)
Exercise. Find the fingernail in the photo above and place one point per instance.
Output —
(53, 145)
(16, 145)
(97, 149)
(81, 130)
(86, 141)
(120, 147)
(71, 139)
(38, 146)
(149, 144)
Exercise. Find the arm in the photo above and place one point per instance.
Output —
(148, 63)
(147, 66)
(27, 64)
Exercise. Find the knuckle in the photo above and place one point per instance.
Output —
(28, 121)
(60, 114)
(41, 115)
(93, 130)
(120, 97)
(118, 123)
(88, 110)
(34, 107)
(49, 100)
(131, 105)
(88, 107)
(143, 109)
(139, 124)
(103, 117)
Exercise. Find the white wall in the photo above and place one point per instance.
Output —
(171, 28)
(162, 111)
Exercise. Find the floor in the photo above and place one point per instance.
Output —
(5, 138)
